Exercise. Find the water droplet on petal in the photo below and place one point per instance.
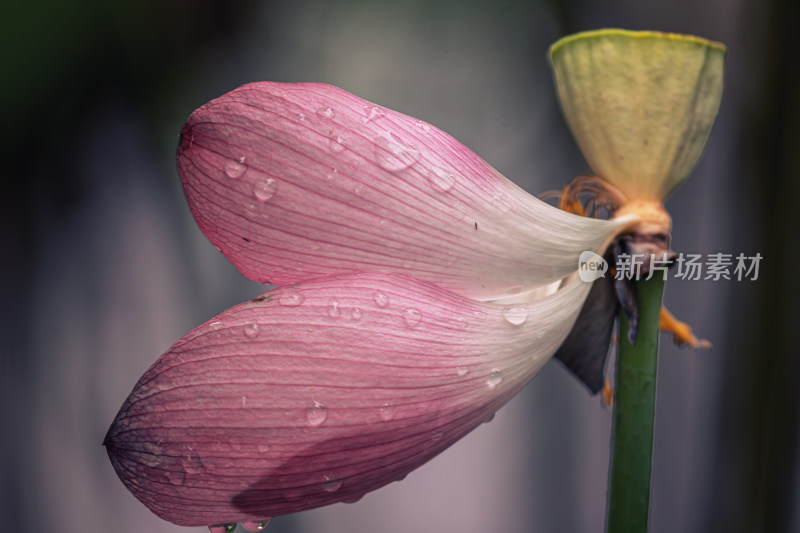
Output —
(251, 331)
(331, 484)
(256, 525)
(381, 300)
(332, 175)
(437, 435)
(424, 126)
(353, 499)
(191, 463)
(386, 412)
(262, 447)
(291, 299)
(495, 378)
(515, 315)
(441, 179)
(356, 313)
(488, 418)
(358, 189)
(462, 370)
(264, 188)
(393, 154)
(253, 209)
(326, 112)
(501, 203)
(235, 169)
(373, 113)
(316, 415)
(336, 144)
(222, 528)
(333, 308)
(412, 317)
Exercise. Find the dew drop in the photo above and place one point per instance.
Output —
(424, 126)
(500, 203)
(373, 113)
(355, 314)
(264, 188)
(381, 300)
(355, 165)
(331, 484)
(437, 435)
(191, 463)
(252, 209)
(333, 308)
(515, 315)
(412, 317)
(488, 418)
(462, 370)
(336, 144)
(256, 525)
(386, 412)
(251, 331)
(222, 528)
(316, 415)
(291, 299)
(358, 189)
(332, 175)
(441, 179)
(495, 378)
(235, 169)
(394, 155)
(326, 112)
(262, 447)
(353, 499)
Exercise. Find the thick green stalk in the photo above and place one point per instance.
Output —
(634, 415)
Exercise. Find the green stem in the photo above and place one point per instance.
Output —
(634, 415)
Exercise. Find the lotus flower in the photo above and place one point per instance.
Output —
(419, 290)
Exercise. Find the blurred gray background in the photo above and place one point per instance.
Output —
(104, 268)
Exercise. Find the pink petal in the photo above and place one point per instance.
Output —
(295, 181)
(320, 392)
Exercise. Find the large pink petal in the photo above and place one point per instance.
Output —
(294, 181)
(319, 392)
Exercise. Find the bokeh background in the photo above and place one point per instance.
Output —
(103, 267)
